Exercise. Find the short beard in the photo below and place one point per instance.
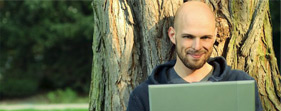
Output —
(188, 63)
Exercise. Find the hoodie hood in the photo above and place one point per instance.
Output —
(220, 73)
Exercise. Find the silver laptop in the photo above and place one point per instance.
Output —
(204, 96)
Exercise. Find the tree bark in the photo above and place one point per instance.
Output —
(130, 39)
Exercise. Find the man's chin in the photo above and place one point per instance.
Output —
(194, 64)
(197, 66)
(194, 67)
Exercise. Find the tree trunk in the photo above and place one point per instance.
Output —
(130, 39)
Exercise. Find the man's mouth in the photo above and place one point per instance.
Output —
(196, 56)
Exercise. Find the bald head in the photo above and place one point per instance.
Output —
(194, 12)
(193, 34)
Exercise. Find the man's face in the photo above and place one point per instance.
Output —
(194, 39)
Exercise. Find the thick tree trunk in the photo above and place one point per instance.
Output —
(249, 46)
(130, 39)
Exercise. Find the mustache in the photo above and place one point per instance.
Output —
(198, 52)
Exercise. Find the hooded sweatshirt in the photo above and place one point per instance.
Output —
(139, 100)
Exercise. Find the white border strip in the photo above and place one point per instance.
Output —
(44, 106)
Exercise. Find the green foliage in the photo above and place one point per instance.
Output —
(18, 87)
(62, 96)
(45, 44)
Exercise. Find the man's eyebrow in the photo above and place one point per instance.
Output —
(195, 36)
(207, 36)
(187, 35)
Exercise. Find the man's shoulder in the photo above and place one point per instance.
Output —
(138, 100)
(141, 89)
(239, 75)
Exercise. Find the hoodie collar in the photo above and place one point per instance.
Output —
(221, 69)
(220, 72)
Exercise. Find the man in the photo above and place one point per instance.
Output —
(193, 34)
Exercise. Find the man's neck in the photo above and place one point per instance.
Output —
(192, 75)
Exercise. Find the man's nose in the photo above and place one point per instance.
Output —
(196, 44)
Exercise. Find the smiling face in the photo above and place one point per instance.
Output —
(194, 35)
(195, 47)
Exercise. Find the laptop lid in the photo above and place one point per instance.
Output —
(203, 96)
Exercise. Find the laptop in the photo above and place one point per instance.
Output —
(203, 96)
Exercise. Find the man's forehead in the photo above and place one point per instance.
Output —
(197, 31)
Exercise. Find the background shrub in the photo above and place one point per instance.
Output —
(45, 45)
(62, 96)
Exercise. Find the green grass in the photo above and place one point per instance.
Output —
(59, 96)
(47, 110)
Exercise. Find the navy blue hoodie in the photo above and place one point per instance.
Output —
(222, 72)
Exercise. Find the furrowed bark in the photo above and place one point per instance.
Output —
(130, 39)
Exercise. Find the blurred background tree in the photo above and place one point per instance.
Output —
(45, 45)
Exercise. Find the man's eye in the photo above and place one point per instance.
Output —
(205, 37)
(189, 37)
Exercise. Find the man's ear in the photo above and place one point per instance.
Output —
(172, 34)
